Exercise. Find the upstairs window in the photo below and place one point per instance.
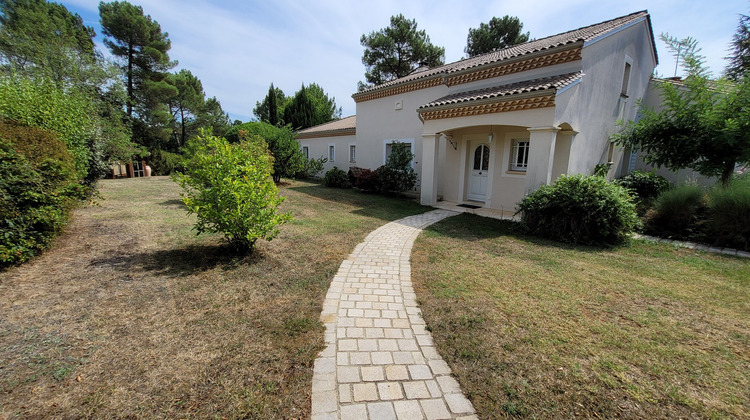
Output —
(625, 80)
(352, 153)
(519, 155)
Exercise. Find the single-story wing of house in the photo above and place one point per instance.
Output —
(489, 129)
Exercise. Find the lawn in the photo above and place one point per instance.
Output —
(535, 328)
(131, 315)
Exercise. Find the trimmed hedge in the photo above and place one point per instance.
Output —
(580, 209)
(336, 178)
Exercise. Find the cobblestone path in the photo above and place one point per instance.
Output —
(380, 362)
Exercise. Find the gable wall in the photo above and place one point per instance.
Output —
(593, 107)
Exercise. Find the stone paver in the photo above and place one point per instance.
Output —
(380, 361)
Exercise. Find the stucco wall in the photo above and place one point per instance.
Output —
(593, 106)
(319, 147)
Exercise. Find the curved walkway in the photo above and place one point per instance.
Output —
(380, 362)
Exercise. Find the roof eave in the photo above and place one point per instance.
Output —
(484, 101)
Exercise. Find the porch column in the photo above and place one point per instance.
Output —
(429, 183)
(541, 157)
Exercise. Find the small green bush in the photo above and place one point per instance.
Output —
(163, 162)
(397, 175)
(678, 212)
(311, 168)
(728, 219)
(38, 188)
(336, 178)
(229, 187)
(644, 185)
(579, 209)
(368, 180)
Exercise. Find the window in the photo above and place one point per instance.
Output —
(306, 152)
(352, 153)
(331, 153)
(481, 158)
(625, 80)
(610, 153)
(519, 155)
(388, 147)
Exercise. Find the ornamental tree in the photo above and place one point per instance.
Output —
(703, 124)
(229, 187)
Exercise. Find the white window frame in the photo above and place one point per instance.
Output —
(386, 142)
(627, 72)
(306, 151)
(515, 147)
(331, 152)
(352, 153)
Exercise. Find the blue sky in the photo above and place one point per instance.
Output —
(237, 48)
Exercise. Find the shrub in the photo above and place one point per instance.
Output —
(165, 163)
(397, 175)
(579, 209)
(312, 168)
(38, 187)
(336, 178)
(729, 214)
(644, 185)
(288, 159)
(228, 186)
(677, 212)
(368, 180)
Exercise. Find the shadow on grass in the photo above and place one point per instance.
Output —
(471, 227)
(370, 205)
(185, 261)
(173, 203)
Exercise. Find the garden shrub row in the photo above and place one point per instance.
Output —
(396, 176)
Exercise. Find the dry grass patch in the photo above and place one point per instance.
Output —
(538, 329)
(131, 315)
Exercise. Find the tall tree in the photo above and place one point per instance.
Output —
(497, 34)
(703, 124)
(212, 116)
(739, 61)
(37, 37)
(310, 106)
(140, 45)
(186, 104)
(398, 50)
(274, 100)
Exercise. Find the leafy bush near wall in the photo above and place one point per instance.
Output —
(644, 185)
(336, 178)
(368, 180)
(728, 218)
(311, 168)
(678, 213)
(397, 175)
(579, 209)
(38, 188)
(163, 162)
(229, 187)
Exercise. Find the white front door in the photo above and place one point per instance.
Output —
(479, 168)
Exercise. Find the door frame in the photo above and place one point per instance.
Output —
(467, 151)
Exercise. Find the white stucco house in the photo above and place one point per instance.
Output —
(489, 129)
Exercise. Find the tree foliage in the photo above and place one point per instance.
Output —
(288, 159)
(310, 106)
(142, 49)
(397, 175)
(228, 187)
(398, 50)
(497, 34)
(703, 124)
(271, 109)
(739, 60)
(185, 105)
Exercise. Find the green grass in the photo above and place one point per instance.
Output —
(541, 329)
(131, 315)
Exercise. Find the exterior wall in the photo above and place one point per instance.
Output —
(318, 147)
(594, 105)
(378, 122)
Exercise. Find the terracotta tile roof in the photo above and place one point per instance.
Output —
(526, 86)
(341, 127)
(584, 34)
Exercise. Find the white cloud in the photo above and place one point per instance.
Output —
(237, 48)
